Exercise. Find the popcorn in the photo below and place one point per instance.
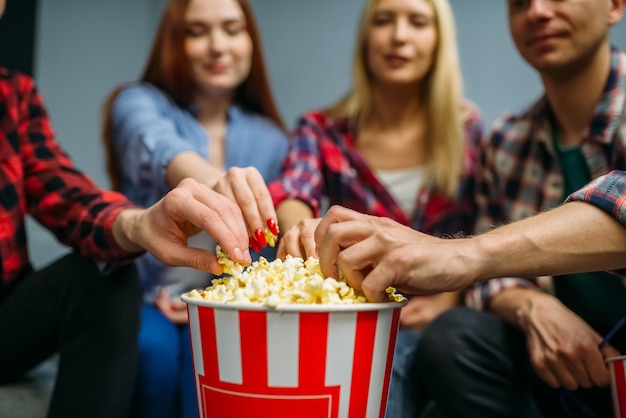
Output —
(270, 238)
(292, 281)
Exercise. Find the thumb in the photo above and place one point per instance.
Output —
(197, 258)
(609, 351)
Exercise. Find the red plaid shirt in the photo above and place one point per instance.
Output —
(37, 178)
(323, 168)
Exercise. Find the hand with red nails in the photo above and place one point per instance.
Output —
(246, 187)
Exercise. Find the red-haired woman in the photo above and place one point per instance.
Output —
(203, 107)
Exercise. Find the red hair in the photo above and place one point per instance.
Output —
(168, 69)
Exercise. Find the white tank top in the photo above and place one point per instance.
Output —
(403, 185)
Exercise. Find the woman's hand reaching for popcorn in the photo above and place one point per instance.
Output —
(243, 185)
(187, 209)
(246, 187)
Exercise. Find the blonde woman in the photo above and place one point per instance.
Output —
(402, 144)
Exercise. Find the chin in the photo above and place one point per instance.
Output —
(550, 64)
(404, 82)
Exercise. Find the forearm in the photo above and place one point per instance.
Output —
(290, 212)
(576, 237)
(448, 300)
(191, 165)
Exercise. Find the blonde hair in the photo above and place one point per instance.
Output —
(442, 92)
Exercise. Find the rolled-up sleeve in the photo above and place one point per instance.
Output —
(607, 193)
(479, 296)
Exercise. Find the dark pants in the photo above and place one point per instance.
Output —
(473, 364)
(90, 319)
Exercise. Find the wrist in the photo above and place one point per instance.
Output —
(125, 230)
(472, 263)
(515, 304)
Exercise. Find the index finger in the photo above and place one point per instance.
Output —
(221, 219)
(250, 192)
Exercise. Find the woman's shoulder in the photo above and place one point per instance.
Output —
(145, 91)
(322, 120)
(140, 96)
(471, 111)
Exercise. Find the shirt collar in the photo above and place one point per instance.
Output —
(234, 112)
(607, 115)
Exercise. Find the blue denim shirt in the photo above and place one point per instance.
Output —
(149, 129)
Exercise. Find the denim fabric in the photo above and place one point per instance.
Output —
(404, 396)
(165, 383)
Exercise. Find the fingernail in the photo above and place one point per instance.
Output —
(271, 224)
(238, 254)
(260, 237)
(254, 244)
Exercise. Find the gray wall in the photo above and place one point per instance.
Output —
(87, 47)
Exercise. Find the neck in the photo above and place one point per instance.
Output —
(212, 110)
(574, 96)
(392, 108)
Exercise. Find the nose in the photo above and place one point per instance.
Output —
(217, 42)
(401, 30)
(540, 9)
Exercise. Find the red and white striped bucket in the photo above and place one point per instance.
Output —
(294, 361)
(617, 367)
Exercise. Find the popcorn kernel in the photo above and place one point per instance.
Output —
(292, 281)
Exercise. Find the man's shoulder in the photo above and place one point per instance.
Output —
(18, 79)
(7, 74)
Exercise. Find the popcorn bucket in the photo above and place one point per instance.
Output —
(617, 367)
(292, 361)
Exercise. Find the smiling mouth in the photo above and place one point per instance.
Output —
(541, 40)
(217, 69)
(395, 60)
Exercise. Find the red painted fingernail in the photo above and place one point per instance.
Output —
(260, 237)
(271, 224)
(254, 244)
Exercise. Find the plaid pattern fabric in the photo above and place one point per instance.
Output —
(324, 168)
(608, 193)
(37, 178)
(520, 172)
